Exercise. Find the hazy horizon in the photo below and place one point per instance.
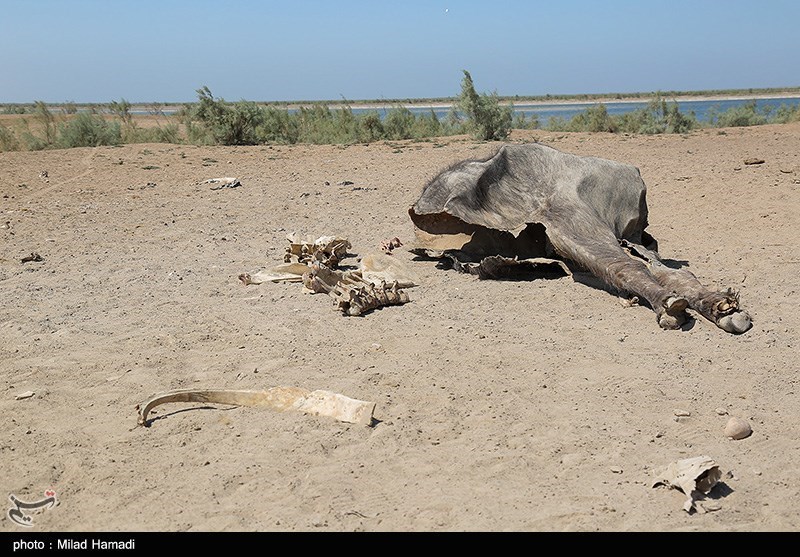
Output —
(95, 51)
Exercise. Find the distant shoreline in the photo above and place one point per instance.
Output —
(557, 102)
(441, 104)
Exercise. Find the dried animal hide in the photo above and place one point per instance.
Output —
(531, 201)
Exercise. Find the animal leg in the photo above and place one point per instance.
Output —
(597, 250)
(721, 308)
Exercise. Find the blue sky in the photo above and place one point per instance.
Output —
(149, 51)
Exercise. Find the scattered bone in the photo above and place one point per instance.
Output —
(352, 294)
(24, 395)
(316, 403)
(377, 282)
(682, 413)
(223, 183)
(287, 272)
(737, 428)
(329, 250)
(388, 245)
(753, 160)
(629, 302)
(32, 257)
(379, 268)
(695, 477)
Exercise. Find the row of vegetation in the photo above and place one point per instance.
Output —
(71, 107)
(213, 121)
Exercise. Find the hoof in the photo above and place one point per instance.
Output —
(735, 323)
(671, 322)
(674, 314)
(676, 305)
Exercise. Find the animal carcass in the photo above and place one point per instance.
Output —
(533, 201)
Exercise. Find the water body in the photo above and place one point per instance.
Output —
(702, 109)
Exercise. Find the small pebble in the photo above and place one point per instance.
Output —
(616, 469)
(721, 411)
(737, 428)
(682, 413)
(26, 394)
(757, 472)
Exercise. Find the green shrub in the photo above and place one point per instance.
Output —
(88, 130)
(371, 127)
(277, 126)
(33, 142)
(8, 139)
(14, 109)
(485, 118)
(522, 122)
(399, 123)
(594, 119)
(168, 133)
(785, 114)
(427, 126)
(659, 116)
(746, 114)
(228, 124)
(46, 121)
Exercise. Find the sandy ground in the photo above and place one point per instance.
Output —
(526, 406)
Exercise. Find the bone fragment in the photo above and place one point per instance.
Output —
(317, 403)
(695, 477)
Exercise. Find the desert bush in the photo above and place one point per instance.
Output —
(593, 119)
(371, 128)
(277, 126)
(88, 130)
(485, 118)
(743, 115)
(33, 142)
(228, 124)
(523, 122)
(8, 139)
(785, 114)
(47, 123)
(168, 133)
(427, 126)
(122, 110)
(316, 125)
(399, 123)
(14, 109)
(659, 116)
(197, 134)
